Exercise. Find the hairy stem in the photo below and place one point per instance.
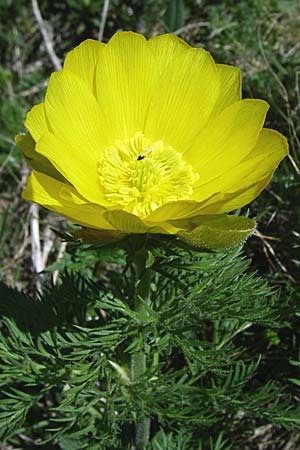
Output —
(138, 359)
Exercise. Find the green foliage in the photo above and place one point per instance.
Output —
(70, 349)
(229, 344)
(171, 441)
(87, 263)
(174, 16)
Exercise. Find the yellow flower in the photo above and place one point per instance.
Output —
(138, 136)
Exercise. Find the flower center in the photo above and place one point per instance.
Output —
(140, 175)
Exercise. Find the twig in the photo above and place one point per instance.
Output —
(8, 157)
(48, 244)
(269, 250)
(48, 43)
(191, 26)
(61, 251)
(273, 23)
(17, 52)
(103, 19)
(39, 255)
(220, 30)
(292, 51)
(36, 253)
(34, 89)
(297, 89)
(285, 97)
(20, 252)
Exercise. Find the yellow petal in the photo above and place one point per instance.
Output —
(248, 178)
(130, 223)
(174, 210)
(63, 199)
(35, 121)
(227, 139)
(125, 78)
(125, 222)
(229, 202)
(219, 232)
(26, 144)
(74, 116)
(79, 134)
(184, 98)
(75, 166)
(83, 59)
(272, 144)
(231, 87)
(38, 162)
(166, 48)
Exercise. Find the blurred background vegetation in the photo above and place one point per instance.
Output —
(263, 39)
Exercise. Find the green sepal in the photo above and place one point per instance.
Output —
(99, 238)
(220, 231)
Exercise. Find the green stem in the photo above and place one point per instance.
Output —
(138, 359)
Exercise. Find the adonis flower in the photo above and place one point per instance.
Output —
(138, 136)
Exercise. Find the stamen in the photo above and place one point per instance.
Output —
(139, 175)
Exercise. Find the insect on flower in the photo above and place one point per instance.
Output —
(144, 153)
